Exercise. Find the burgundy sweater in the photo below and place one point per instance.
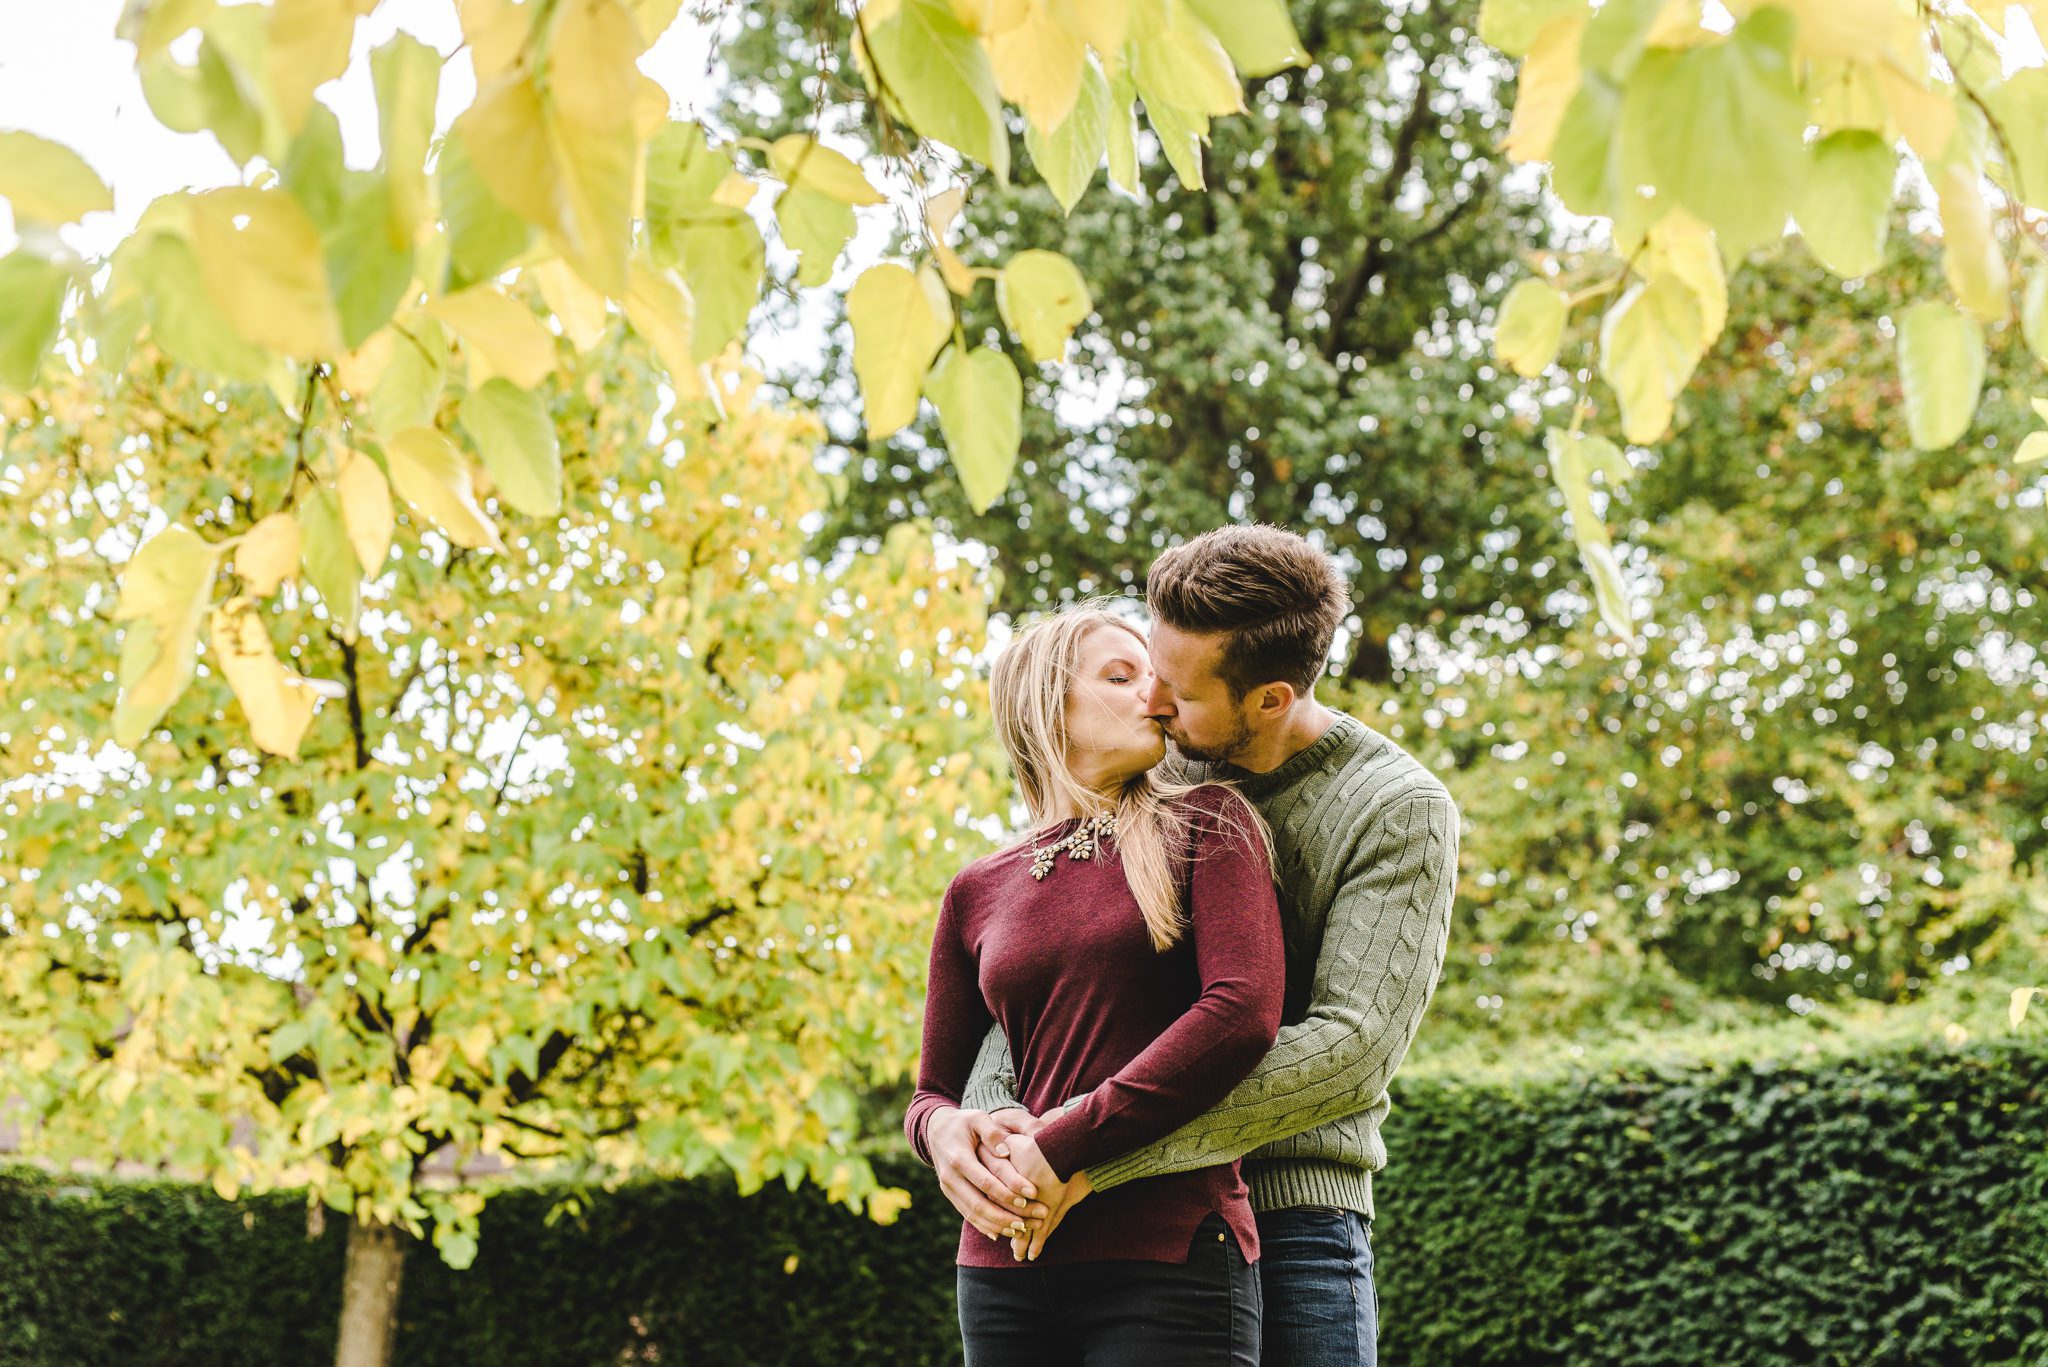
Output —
(1067, 968)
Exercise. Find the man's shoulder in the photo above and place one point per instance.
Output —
(1375, 776)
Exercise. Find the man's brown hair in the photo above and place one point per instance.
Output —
(1276, 599)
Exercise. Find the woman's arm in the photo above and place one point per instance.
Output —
(955, 1019)
(1234, 927)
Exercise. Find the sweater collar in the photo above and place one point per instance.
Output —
(1344, 732)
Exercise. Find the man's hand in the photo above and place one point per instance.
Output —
(995, 1201)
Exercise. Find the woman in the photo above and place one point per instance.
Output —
(1131, 949)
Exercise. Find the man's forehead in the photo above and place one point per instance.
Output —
(1185, 657)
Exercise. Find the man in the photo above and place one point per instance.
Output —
(1365, 851)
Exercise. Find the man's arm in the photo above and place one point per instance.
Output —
(1383, 947)
(992, 1085)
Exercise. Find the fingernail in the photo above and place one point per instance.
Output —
(1018, 1202)
(1002, 1150)
(1029, 1191)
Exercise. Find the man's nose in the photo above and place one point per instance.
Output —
(1156, 702)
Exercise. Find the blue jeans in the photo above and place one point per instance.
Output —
(1315, 1268)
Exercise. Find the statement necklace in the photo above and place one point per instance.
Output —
(1081, 843)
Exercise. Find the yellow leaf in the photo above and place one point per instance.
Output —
(1038, 66)
(1549, 79)
(500, 335)
(593, 137)
(359, 370)
(1971, 259)
(1649, 343)
(268, 554)
(365, 509)
(279, 702)
(2017, 1011)
(804, 161)
(493, 31)
(1685, 247)
(261, 261)
(505, 133)
(1527, 330)
(899, 322)
(309, 46)
(1042, 298)
(47, 182)
(658, 306)
(432, 476)
(163, 592)
(1102, 24)
(939, 212)
(1179, 63)
(577, 307)
(225, 1184)
(984, 16)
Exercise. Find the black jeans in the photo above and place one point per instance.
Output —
(1117, 1313)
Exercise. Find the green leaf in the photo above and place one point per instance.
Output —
(1845, 200)
(940, 80)
(482, 233)
(1067, 157)
(980, 399)
(818, 227)
(407, 74)
(515, 436)
(1720, 128)
(31, 307)
(2034, 313)
(1181, 134)
(1122, 134)
(1574, 459)
(368, 262)
(1512, 25)
(314, 168)
(1941, 365)
(683, 172)
(409, 389)
(899, 322)
(330, 560)
(1615, 36)
(164, 591)
(1257, 34)
(47, 182)
(1530, 325)
(723, 264)
(1650, 342)
(1180, 63)
(1585, 155)
(1042, 299)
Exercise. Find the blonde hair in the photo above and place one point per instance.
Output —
(1028, 695)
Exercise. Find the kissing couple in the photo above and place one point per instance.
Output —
(1159, 1028)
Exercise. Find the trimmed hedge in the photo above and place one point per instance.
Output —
(1874, 1211)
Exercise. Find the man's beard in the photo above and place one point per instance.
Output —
(1228, 751)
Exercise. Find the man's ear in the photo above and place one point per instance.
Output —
(1275, 698)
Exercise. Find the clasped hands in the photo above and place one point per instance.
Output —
(991, 1169)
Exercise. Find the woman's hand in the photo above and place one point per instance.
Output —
(1057, 1194)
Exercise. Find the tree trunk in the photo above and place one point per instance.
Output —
(369, 1296)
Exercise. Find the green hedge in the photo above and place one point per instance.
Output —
(1884, 1210)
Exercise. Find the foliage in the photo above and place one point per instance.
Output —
(564, 168)
(1295, 344)
(1877, 1210)
(1820, 770)
(1692, 140)
(615, 853)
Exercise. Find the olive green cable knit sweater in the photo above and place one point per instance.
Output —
(1366, 850)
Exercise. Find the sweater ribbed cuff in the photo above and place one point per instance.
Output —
(1284, 1183)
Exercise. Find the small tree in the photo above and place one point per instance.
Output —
(612, 852)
